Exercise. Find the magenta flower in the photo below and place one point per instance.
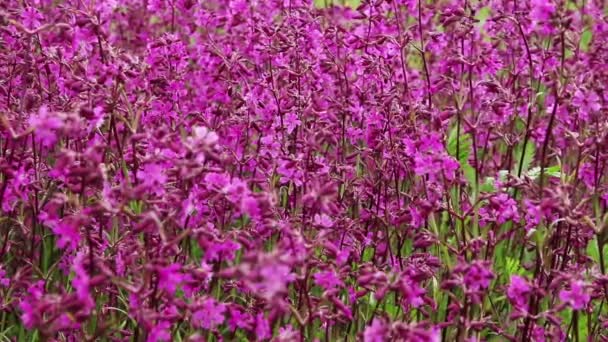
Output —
(4, 281)
(153, 177)
(249, 169)
(82, 283)
(262, 327)
(160, 332)
(209, 315)
(478, 277)
(327, 280)
(273, 280)
(202, 135)
(288, 334)
(30, 315)
(538, 334)
(323, 220)
(216, 181)
(68, 233)
(239, 319)
(46, 125)
(291, 121)
(533, 215)
(502, 208)
(587, 103)
(251, 207)
(413, 294)
(432, 165)
(169, 277)
(221, 251)
(518, 291)
(236, 191)
(542, 10)
(31, 17)
(378, 331)
(577, 296)
(289, 172)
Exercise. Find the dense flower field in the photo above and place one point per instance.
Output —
(293, 170)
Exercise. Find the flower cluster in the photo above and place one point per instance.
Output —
(303, 170)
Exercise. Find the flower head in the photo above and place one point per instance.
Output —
(47, 126)
(577, 296)
(169, 277)
(378, 331)
(31, 17)
(210, 314)
(517, 292)
(327, 280)
(478, 276)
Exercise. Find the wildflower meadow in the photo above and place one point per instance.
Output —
(299, 170)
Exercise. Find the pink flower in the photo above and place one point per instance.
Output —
(236, 191)
(288, 334)
(224, 250)
(289, 172)
(251, 207)
(31, 17)
(412, 292)
(210, 315)
(46, 126)
(577, 296)
(500, 209)
(291, 121)
(262, 327)
(153, 177)
(238, 6)
(216, 181)
(323, 220)
(533, 214)
(30, 315)
(160, 332)
(378, 331)
(202, 142)
(4, 281)
(542, 10)
(239, 320)
(327, 280)
(82, 283)
(478, 276)
(538, 334)
(586, 103)
(517, 292)
(68, 233)
(273, 280)
(169, 277)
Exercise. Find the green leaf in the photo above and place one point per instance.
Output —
(586, 38)
(368, 254)
(528, 156)
(391, 307)
(469, 173)
(136, 206)
(459, 147)
(566, 315)
(483, 14)
(195, 250)
(488, 185)
(551, 171)
(594, 253)
(513, 267)
(328, 3)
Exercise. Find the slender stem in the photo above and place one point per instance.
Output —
(423, 54)
(546, 141)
